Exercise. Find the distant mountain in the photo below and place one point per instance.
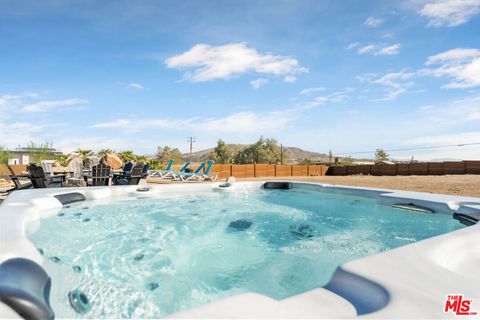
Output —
(290, 153)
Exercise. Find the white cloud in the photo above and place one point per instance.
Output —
(134, 85)
(449, 12)
(17, 133)
(308, 91)
(378, 50)
(352, 45)
(223, 62)
(290, 79)
(42, 106)
(7, 99)
(447, 139)
(245, 122)
(396, 83)
(256, 84)
(69, 144)
(459, 113)
(119, 123)
(389, 50)
(462, 65)
(366, 49)
(373, 22)
(334, 97)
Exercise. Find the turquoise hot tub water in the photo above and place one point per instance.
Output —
(151, 257)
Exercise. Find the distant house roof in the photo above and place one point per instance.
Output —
(27, 150)
(384, 162)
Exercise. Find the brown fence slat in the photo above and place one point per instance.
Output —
(403, 169)
(264, 170)
(299, 171)
(337, 171)
(4, 170)
(419, 169)
(472, 167)
(314, 170)
(243, 170)
(222, 171)
(384, 170)
(435, 168)
(451, 167)
(283, 170)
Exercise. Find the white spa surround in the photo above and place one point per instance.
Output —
(414, 280)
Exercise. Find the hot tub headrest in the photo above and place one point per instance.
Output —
(277, 185)
(467, 219)
(71, 197)
(25, 287)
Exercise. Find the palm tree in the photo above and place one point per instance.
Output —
(104, 152)
(62, 158)
(143, 159)
(84, 153)
(127, 155)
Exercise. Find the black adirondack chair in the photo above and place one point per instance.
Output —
(39, 180)
(146, 167)
(131, 178)
(100, 175)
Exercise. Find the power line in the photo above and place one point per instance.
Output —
(413, 149)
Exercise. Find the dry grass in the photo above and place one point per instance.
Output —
(462, 185)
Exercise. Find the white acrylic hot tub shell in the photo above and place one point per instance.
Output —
(417, 277)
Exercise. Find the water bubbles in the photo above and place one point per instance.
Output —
(77, 269)
(86, 220)
(303, 231)
(77, 214)
(61, 214)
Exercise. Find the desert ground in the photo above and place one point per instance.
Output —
(461, 185)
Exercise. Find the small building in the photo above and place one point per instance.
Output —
(21, 155)
(384, 162)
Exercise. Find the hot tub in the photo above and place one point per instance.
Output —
(200, 250)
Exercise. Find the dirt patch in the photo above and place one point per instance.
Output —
(462, 185)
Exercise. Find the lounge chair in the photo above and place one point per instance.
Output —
(207, 175)
(100, 175)
(39, 180)
(161, 172)
(131, 178)
(199, 175)
(187, 176)
(172, 174)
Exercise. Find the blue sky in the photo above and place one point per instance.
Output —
(341, 75)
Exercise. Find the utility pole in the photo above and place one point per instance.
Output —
(281, 153)
(191, 140)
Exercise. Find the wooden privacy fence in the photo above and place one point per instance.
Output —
(407, 169)
(16, 168)
(267, 170)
